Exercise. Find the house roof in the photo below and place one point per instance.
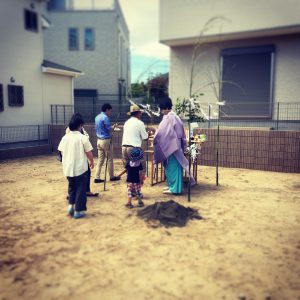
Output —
(275, 31)
(46, 23)
(217, 20)
(52, 67)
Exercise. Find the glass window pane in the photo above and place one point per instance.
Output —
(27, 19)
(56, 5)
(30, 20)
(15, 95)
(34, 21)
(1, 98)
(246, 84)
(73, 39)
(89, 39)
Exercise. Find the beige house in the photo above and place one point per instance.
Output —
(251, 56)
(28, 84)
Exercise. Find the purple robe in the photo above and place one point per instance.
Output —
(170, 139)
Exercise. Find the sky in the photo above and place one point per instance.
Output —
(148, 56)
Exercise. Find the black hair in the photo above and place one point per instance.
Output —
(75, 122)
(105, 107)
(165, 103)
(135, 113)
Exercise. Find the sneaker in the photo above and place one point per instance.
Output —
(79, 214)
(98, 180)
(70, 212)
(115, 178)
(129, 205)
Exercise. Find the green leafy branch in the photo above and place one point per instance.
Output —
(183, 110)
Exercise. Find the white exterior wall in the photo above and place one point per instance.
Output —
(21, 58)
(249, 23)
(186, 18)
(124, 47)
(57, 89)
(123, 57)
(286, 68)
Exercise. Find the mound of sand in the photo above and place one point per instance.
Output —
(169, 213)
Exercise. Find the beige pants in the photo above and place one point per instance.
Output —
(125, 154)
(104, 151)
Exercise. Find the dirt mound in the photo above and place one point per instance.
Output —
(169, 213)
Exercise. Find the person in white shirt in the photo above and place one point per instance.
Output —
(76, 148)
(88, 185)
(134, 132)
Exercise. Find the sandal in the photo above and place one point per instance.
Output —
(129, 205)
(167, 192)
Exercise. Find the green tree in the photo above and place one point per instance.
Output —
(138, 90)
(157, 86)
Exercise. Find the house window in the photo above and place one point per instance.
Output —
(247, 81)
(56, 5)
(15, 95)
(89, 39)
(73, 39)
(1, 98)
(30, 20)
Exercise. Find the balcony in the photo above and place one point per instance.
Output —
(78, 5)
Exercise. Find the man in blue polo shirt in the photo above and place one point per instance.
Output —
(104, 145)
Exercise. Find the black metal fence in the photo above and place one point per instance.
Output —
(90, 107)
(23, 135)
(284, 116)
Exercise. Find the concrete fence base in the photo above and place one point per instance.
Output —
(266, 150)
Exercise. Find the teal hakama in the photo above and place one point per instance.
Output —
(169, 147)
(174, 173)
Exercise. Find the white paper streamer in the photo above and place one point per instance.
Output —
(192, 151)
(146, 108)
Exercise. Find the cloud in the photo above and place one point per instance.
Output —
(142, 18)
(145, 66)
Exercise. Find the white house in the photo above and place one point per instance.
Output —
(28, 83)
(91, 36)
(248, 54)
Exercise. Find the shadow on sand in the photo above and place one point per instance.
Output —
(202, 189)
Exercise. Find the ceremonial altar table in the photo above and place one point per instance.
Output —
(157, 172)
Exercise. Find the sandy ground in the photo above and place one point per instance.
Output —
(248, 245)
